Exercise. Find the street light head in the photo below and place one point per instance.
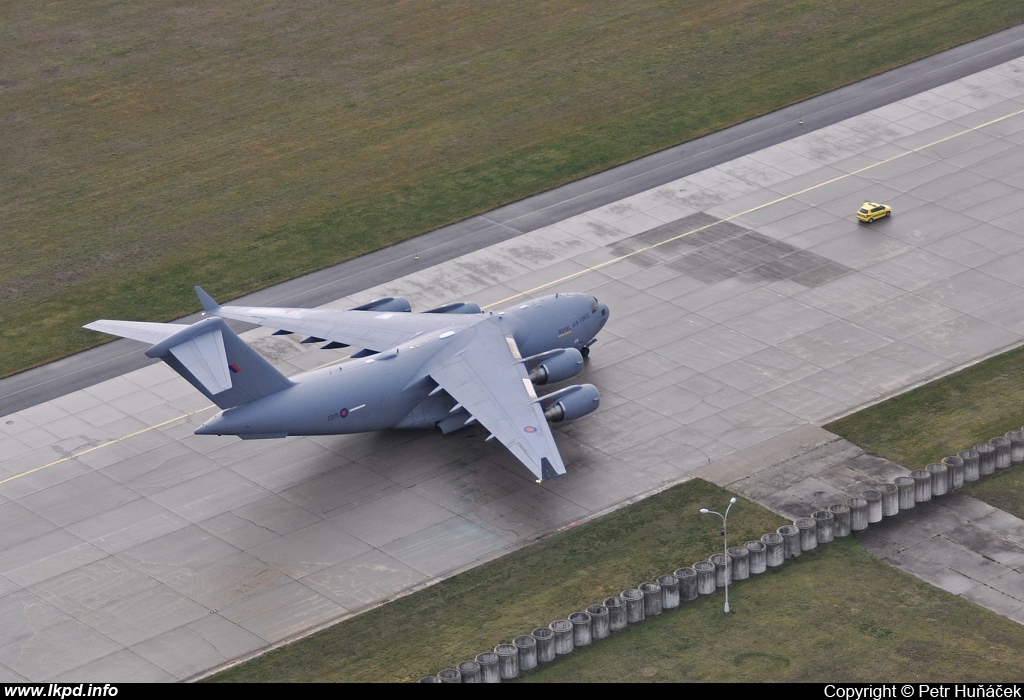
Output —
(732, 500)
(704, 510)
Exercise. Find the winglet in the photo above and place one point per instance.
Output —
(546, 470)
(209, 305)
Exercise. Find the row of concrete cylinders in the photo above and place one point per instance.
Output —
(903, 493)
(581, 629)
(632, 606)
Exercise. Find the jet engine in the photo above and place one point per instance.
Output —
(571, 403)
(459, 307)
(554, 366)
(399, 304)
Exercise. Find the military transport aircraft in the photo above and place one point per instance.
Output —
(448, 367)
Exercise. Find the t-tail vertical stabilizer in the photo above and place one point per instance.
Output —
(209, 355)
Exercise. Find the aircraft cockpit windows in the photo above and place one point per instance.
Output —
(593, 305)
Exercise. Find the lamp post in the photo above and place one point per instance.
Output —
(725, 547)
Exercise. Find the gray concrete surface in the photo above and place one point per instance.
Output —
(746, 302)
(954, 542)
(116, 358)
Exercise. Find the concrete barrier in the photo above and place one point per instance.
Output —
(922, 485)
(633, 600)
(858, 514)
(808, 529)
(508, 661)
(955, 468)
(563, 637)
(905, 488)
(652, 599)
(470, 671)
(775, 549)
(986, 458)
(1016, 438)
(940, 478)
(430, 679)
(723, 569)
(669, 591)
(824, 523)
(545, 637)
(687, 576)
(705, 577)
(890, 499)
(791, 536)
(1002, 446)
(582, 631)
(739, 562)
(970, 458)
(616, 613)
(450, 675)
(527, 647)
(599, 622)
(488, 667)
(841, 519)
(874, 500)
(758, 556)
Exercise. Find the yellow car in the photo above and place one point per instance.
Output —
(870, 211)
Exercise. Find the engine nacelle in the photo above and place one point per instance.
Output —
(459, 307)
(555, 366)
(398, 304)
(571, 403)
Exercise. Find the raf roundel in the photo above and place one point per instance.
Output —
(343, 412)
(529, 429)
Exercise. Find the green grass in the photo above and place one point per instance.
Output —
(155, 145)
(460, 617)
(948, 415)
(838, 614)
(1004, 490)
(942, 417)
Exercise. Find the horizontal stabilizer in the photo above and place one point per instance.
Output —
(142, 331)
(209, 355)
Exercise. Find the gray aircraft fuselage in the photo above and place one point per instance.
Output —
(392, 389)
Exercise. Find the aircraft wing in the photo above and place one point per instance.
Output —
(487, 379)
(373, 330)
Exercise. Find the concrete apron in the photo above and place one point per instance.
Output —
(955, 542)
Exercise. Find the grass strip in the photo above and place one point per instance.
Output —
(948, 415)
(153, 146)
(835, 614)
(467, 614)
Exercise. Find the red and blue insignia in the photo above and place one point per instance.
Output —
(343, 412)
(529, 429)
(235, 368)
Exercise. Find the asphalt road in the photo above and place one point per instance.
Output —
(113, 359)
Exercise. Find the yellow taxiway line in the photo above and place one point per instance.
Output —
(574, 275)
(753, 209)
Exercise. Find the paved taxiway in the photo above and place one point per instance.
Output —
(746, 302)
(114, 359)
